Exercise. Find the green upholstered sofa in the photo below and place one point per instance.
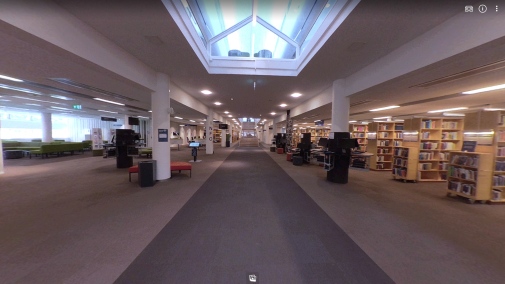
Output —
(44, 148)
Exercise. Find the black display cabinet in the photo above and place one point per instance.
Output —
(339, 156)
(124, 138)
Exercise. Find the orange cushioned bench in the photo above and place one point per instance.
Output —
(174, 166)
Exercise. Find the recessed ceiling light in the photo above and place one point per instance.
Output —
(448, 109)
(494, 109)
(217, 103)
(178, 117)
(32, 105)
(283, 105)
(382, 117)
(487, 89)
(304, 123)
(272, 113)
(206, 92)
(28, 91)
(107, 101)
(150, 111)
(230, 115)
(352, 121)
(384, 108)
(192, 120)
(10, 78)
(202, 123)
(452, 114)
(296, 95)
(181, 125)
(226, 112)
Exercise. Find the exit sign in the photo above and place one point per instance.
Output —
(77, 107)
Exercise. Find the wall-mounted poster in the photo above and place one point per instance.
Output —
(96, 139)
(162, 135)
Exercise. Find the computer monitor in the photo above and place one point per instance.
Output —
(194, 144)
(322, 142)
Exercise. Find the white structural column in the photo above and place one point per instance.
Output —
(223, 137)
(1, 152)
(160, 103)
(47, 127)
(339, 108)
(209, 124)
(126, 125)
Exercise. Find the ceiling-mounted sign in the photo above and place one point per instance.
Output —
(77, 106)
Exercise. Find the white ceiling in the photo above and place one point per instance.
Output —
(374, 29)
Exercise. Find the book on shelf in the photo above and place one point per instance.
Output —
(499, 180)
(425, 156)
(398, 126)
(462, 173)
(500, 152)
(499, 166)
(466, 161)
(496, 194)
(443, 156)
(403, 152)
(400, 172)
(359, 128)
(398, 143)
(382, 151)
(384, 143)
(448, 146)
(443, 166)
(466, 188)
(429, 124)
(425, 166)
(383, 134)
(384, 127)
(449, 135)
(398, 135)
(425, 135)
(429, 146)
(501, 136)
(449, 125)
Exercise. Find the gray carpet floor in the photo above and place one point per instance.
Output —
(250, 216)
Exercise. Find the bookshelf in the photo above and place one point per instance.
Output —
(405, 161)
(216, 135)
(486, 121)
(381, 140)
(315, 134)
(470, 175)
(360, 131)
(438, 137)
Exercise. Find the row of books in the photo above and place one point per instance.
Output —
(403, 152)
(397, 143)
(499, 166)
(398, 126)
(443, 166)
(499, 180)
(360, 128)
(398, 135)
(383, 143)
(500, 152)
(358, 135)
(383, 151)
(425, 166)
(401, 162)
(466, 188)
(425, 135)
(449, 135)
(385, 127)
(501, 135)
(450, 125)
(427, 156)
(382, 159)
(462, 173)
(400, 172)
(383, 134)
(448, 146)
(362, 141)
(429, 146)
(467, 161)
(428, 124)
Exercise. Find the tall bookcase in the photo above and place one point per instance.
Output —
(469, 175)
(315, 134)
(405, 161)
(494, 122)
(381, 141)
(437, 138)
(360, 131)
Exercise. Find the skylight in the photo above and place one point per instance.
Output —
(237, 33)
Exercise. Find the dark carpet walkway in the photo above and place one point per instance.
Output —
(251, 217)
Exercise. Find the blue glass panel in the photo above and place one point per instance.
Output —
(193, 21)
(319, 21)
(269, 45)
(220, 15)
(237, 43)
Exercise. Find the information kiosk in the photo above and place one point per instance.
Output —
(194, 150)
(338, 156)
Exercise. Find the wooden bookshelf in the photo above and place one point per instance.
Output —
(405, 160)
(315, 134)
(360, 132)
(470, 175)
(438, 137)
(380, 142)
(498, 183)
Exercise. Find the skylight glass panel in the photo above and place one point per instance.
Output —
(236, 44)
(327, 8)
(269, 45)
(287, 16)
(220, 15)
(193, 20)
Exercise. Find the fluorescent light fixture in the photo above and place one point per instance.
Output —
(206, 92)
(60, 108)
(494, 109)
(352, 121)
(230, 115)
(447, 109)
(411, 133)
(107, 111)
(181, 125)
(217, 103)
(150, 111)
(30, 99)
(283, 105)
(107, 101)
(487, 89)
(452, 114)
(317, 120)
(226, 112)
(272, 113)
(399, 120)
(178, 117)
(296, 95)
(32, 105)
(10, 78)
(383, 117)
(328, 124)
(4, 100)
(19, 89)
(61, 97)
(202, 123)
(192, 120)
(384, 108)
(479, 133)
(139, 116)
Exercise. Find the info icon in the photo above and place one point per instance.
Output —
(469, 9)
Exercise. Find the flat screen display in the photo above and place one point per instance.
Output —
(133, 121)
(223, 126)
(194, 144)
